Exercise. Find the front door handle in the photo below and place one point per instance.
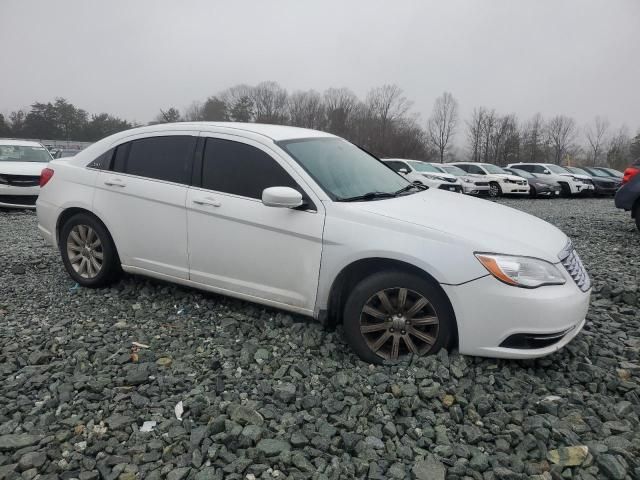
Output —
(208, 201)
(114, 183)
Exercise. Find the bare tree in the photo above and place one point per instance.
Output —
(386, 104)
(561, 131)
(442, 124)
(270, 103)
(238, 102)
(340, 104)
(533, 139)
(306, 109)
(596, 136)
(619, 151)
(193, 112)
(474, 133)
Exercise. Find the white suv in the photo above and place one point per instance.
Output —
(307, 222)
(425, 173)
(500, 182)
(471, 184)
(571, 183)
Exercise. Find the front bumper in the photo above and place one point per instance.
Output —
(488, 313)
(473, 189)
(18, 197)
(450, 187)
(514, 189)
(47, 217)
(548, 190)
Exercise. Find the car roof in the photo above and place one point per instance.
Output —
(19, 143)
(274, 132)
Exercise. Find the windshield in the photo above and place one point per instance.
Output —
(594, 172)
(341, 169)
(22, 153)
(522, 173)
(493, 169)
(423, 167)
(453, 170)
(556, 169)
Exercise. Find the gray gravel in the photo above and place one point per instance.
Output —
(269, 395)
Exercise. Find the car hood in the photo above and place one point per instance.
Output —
(444, 176)
(508, 176)
(22, 168)
(481, 225)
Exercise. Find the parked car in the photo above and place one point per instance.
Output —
(571, 184)
(424, 173)
(67, 152)
(612, 172)
(20, 165)
(250, 210)
(471, 184)
(603, 184)
(628, 196)
(500, 182)
(538, 186)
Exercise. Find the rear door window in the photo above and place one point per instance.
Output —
(167, 158)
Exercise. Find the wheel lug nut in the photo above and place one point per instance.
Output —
(403, 332)
(391, 330)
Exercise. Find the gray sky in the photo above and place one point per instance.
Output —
(130, 58)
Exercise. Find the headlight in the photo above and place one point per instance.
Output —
(467, 180)
(521, 271)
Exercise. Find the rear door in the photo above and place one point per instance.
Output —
(239, 245)
(141, 196)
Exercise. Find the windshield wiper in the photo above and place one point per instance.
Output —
(367, 196)
(409, 187)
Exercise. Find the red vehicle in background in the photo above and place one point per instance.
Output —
(628, 196)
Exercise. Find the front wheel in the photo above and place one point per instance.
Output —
(391, 314)
(88, 252)
(532, 192)
(494, 190)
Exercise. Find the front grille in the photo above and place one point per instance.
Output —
(571, 261)
(26, 200)
(522, 182)
(532, 341)
(20, 180)
(482, 184)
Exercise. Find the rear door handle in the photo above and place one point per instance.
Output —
(114, 183)
(208, 201)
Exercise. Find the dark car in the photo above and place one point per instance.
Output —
(538, 186)
(628, 196)
(603, 184)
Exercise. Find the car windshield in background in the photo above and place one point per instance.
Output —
(594, 172)
(493, 169)
(557, 169)
(423, 167)
(453, 170)
(343, 170)
(23, 153)
(523, 174)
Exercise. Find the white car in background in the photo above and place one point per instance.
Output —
(424, 173)
(500, 182)
(471, 184)
(307, 222)
(571, 183)
(20, 165)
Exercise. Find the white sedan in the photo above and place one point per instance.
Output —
(20, 165)
(471, 184)
(307, 222)
(424, 173)
(500, 182)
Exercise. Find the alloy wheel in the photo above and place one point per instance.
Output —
(494, 190)
(84, 250)
(397, 321)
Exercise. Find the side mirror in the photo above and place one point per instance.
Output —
(283, 197)
(403, 171)
(546, 172)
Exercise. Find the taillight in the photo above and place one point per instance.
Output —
(629, 173)
(45, 176)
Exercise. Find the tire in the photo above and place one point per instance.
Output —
(494, 190)
(566, 190)
(96, 244)
(366, 295)
(532, 192)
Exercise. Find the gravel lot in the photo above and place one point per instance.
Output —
(270, 395)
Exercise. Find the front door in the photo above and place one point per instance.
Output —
(240, 246)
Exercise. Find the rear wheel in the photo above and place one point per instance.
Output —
(533, 192)
(494, 190)
(391, 314)
(88, 252)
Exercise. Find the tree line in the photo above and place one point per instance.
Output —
(382, 122)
